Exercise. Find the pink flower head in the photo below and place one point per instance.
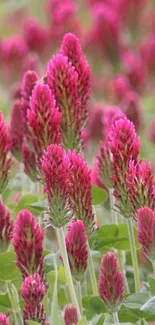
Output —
(111, 287)
(151, 131)
(139, 179)
(71, 48)
(15, 91)
(135, 71)
(5, 158)
(35, 35)
(29, 161)
(93, 128)
(31, 62)
(33, 289)
(123, 143)
(63, 81)
(146, 231)
(111, 114)
(76, 244)
(4, 319)
(43, 118)
(71, 315)
(6, 228)
(121, 85)
(55, 166)
(28, 244)
(148, 53)
(131, 106)
(16, 130)
(14, 49)
(80, 190)
(103, 165)
(35, 313)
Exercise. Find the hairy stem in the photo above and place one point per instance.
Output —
(92, 272)
(115, 316)
(134, 254)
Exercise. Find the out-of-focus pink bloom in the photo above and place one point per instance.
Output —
(148, 53)
(14, 49)
(63, 81)
(110, 115)
(139, 179)
(36, 314)
(76, 244)
(33, 289)
(15, 91)
(71, 315)
(94, 126)
(95, 180)
(111, 287)
(29, 161)
(121, 86)
(31, 62)
(16, 129)
(132, 107)
(80, 190)
(71, 48)
(103, 165)
(146, 232)
(55, 167)
(43, 119)
(135, 71)
(5, 158)
(28, 244)
(35, 35)
(151, 131)
(6, 228)
(4, 319)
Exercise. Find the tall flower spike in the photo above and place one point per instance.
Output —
(76, 244)
(28, 244)
(4, 320)
(146, 232)
(29, 161)
(55, 165)
(103, 165)
(71, 48)
(5, 158)
(63, 81)
(139, 179)
(110, 115)
(16, 130)
(111, 288)
(80, 190)
(70, 315)
(43, 119)
(6, 228)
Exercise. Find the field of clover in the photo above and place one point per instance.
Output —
(77, 162)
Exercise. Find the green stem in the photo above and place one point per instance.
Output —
(79, 294)
(92, 272)
(14, 299)
(112, 205)
(121, 261)
(133, 254)
(85, 285)
(61, 241)
(115, 316)
(153, 266)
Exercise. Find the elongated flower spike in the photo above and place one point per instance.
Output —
(4, 319)
(111, 287)
(43, 119)
(80, 191)
(71, 315)
(5, 158)
(139, 179)
(6, 228)
(110, 115)
(146, 232)
(55, 166)
(62, 78)
(16, 133)
(29, 161)
(76, 244)
(71, 48)
(28, 244)
(103, 165)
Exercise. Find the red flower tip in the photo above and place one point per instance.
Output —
(71, 315)
(29, 161)
(43, 118)
(55, 167)
(111, 287)
(14, 49)
(103, 165)
(16, 133)
(139, 179)
(110, 115)
(131, 106)
(80, 190)
(146, 231)
(76, 244)
(33, 289)
(6, 228)
(28, 244)
(5, 159)
(4, 320)
(63, 81)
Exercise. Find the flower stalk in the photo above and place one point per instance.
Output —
(133, 254)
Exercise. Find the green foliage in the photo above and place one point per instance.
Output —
(99, 195)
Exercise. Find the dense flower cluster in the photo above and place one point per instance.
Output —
(6, 228)
(4, 319)
(70, 315)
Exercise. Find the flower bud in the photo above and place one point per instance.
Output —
(70, 315)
